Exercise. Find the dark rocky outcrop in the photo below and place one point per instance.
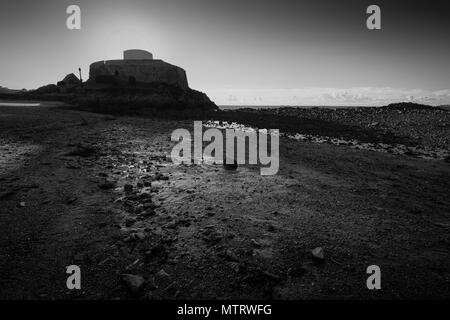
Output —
(70, 80)
(405, 106)
(139, 97)
(47, 89)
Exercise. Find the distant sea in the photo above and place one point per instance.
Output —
(234, 107)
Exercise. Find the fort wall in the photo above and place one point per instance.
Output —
(139, 71)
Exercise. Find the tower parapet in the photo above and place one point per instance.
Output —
(137, 54)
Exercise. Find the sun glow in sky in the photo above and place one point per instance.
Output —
(252, 52)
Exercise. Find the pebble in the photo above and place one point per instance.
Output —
(318, 253)
(134, 283)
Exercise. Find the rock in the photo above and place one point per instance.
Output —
(137, 209)
(255, 243)
(271, 276)
(73, 166)
(132, 265)
(230, 256)
(318, 253)
(130, 221)
(212, 237)
(108, 184)
(144, 196)
(80, 151)
(172, 224)
(128, 188)
(263, 253)
(140, 235)
(296, 271)
(71, 200)
(21, 204)
(158, 252)
(162, 274)
(160, 176)
(134, 283)
(147, 213)
(7, 194)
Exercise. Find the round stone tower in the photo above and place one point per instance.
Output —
(137, 67)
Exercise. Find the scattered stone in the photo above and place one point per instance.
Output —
(132, 265)
(7, 194)
(235, 266)
(140, 235)
(108, 184)
(144, 196)
(71, 200)
(138, 209)
(134, 283)
(21, 204)
(271, 276)
(229, 255)
(158, 252)
(147, 213)
(172, 224)
(129, 221)
(102, 225)
(80, 151)
(149, 206)
(296, 271)
(255, 243)
(318, 253)
(73, 166)
(212, 237)
(160, 176)
(263, 253)
(128, 188)
(162, 274)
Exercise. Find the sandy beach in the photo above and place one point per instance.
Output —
(101, 192)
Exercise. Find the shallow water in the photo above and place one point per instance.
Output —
(18, 104)
(400, 149)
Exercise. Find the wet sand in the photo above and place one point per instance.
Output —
(101, 192)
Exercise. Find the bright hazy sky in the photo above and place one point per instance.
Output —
(247, 52)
